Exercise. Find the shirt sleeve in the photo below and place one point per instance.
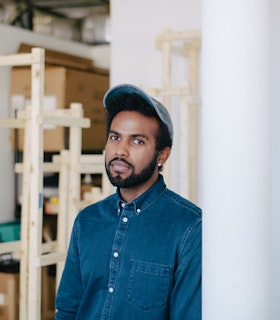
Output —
(70, 288)
(186, 299)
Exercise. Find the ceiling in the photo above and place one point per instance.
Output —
(56, 5)
(66, 8)
(85, 20)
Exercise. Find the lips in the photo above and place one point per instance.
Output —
(119, 166)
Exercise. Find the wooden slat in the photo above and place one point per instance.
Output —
(49, 259)
(36, 187)
(65, 121)
(61, 58)
(75, 146)
(63, 187)
(14, 246)
(24, 230)
(24, 59)
(11, 246)
(12, 123)
(47, 167)
(169, 36)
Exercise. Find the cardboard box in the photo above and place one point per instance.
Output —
(63, 86)
(9, 296)
(48, 295)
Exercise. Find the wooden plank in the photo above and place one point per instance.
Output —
(47, 167)
(92, 168)
(24, 59)
(11, 246)
(184, 147)
(50, 259)
(14, 247)
(107, 188)
(175, 91)
(193, 124)
(60, 58)
(169, 36)
(24, 230)
(75, 146)
(92, 158)
(36, 187)
(184, 48)
(63, 185)
(64, 121)
(12, 123)
(170, 91)
(166, 83)
(92, 163)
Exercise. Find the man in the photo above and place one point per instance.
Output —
(135, 255)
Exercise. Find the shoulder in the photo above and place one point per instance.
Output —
(189, 216)
(182, 204)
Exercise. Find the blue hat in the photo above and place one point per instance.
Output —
(111, 103)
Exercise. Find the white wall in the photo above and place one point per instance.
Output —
(11, 37)
(135, 58)
(275, 167)
(135, 25)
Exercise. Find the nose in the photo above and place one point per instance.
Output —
(121, 149)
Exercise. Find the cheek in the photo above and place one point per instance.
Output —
(108, 148)
(141, 159)
(109, 153)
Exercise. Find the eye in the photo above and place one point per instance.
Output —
(137, 141)
(114, 137)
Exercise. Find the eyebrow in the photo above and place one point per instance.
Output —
(135, 135)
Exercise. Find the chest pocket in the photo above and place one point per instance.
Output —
(148, 285)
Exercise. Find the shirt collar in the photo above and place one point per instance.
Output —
(145, 199)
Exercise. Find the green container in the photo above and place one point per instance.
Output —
(10, 231)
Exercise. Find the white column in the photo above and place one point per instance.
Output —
(236, 159)
(275, 160)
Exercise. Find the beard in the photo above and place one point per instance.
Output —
(134, 179)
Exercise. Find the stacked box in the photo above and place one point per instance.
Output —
(64, 85)
(9, 296)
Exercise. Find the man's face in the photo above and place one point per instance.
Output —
(131, 157)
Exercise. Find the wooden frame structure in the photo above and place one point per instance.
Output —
(186, 45)
(70, 164)
(32, 183)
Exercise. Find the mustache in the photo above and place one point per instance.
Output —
(120, 159)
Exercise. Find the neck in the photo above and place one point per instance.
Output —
(130, 194)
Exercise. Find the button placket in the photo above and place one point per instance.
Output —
(116, 253)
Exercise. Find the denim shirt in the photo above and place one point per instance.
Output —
(134, 261)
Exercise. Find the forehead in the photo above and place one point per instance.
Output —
(133, 122)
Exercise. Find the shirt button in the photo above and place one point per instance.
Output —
(111, 290)
(125, 219)
(116, 254)
(138, 210)
(123, 204)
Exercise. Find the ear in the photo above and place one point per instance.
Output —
(163, 156)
